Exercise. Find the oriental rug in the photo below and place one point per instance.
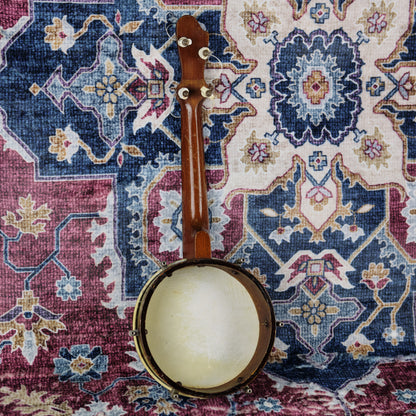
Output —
(310, 146)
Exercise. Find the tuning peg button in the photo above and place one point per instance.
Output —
(204, 53)
(183, 42)
(206, 92)
(183, 93)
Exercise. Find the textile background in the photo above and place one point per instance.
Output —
(310, 145)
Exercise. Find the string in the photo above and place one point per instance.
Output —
(173, 108)
(217, 74)
(209, 82)
(171, 37)
(173, 102)
(218, 60)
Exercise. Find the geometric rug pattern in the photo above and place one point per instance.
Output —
(310, 148)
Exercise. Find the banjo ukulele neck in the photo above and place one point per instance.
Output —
(192, 90)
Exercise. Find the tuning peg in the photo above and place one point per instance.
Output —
(204, 53)
(183, 42)
(206, 92)
(183, 93)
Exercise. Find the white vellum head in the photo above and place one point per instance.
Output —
(202, 326)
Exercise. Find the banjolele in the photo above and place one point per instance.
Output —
(202, 326)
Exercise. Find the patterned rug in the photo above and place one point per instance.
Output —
(311, 153)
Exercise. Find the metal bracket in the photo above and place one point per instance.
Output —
(174, 394)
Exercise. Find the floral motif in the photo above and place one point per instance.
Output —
(35, 402)
(137, 364)
(223, 87)
(407, 85)
(394, 334)
(316, 87)
(319, 194)
(319, 197)
(108, 88)
(352, 231)
(262, 278)
(373, 150)
(320, 13)
(375, 277)
(28, 320)
(155, 396)
(157, 88)
(308, 268)
(100, 409)
(268, 405)
(129, 27)
(163, 406)
(375, 86)
(278, 354)
(31, 220)
(406, 396)
(358, 345)
(68, 288)
(310, 86)
(80, 364)
(137, 392)
(316, 84)
(60, 35)
(281, 234)
(255, 88)
(65, 144)
(256, 22)
(258, 153)
(378, 20)
(318, 160)
(314, 312)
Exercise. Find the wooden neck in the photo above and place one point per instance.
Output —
(195, 217)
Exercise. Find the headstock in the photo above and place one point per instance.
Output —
(193, 54)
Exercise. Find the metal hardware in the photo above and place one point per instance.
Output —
(206, 92)
(239, 261)
(183, 93)
(204, 53)
(174, 394)
(134, 333)
(280, 324)
(183, 42)
(248, 390)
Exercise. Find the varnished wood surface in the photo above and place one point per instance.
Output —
(195, 217)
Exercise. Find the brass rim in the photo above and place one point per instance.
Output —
(265, 314)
